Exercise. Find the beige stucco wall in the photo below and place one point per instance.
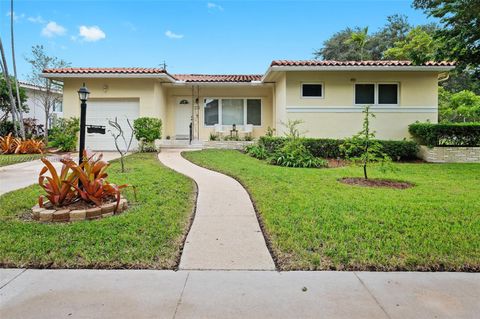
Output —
(390, 126)
(280, 103)
(335, 115)
(148, 91)
(416, 88)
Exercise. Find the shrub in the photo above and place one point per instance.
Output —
(147, 129)
(330, 148)
(64, 134)
(446, 134)
(257, 151)
(294, 154)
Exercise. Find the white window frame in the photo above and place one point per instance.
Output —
(376, 93)
(220, 109)
(312, 97)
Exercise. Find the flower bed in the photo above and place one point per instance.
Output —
(74, 212)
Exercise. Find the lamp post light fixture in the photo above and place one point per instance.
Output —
(83, 93)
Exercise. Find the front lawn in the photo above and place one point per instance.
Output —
(314, 222)
(148, 235)
(9, 159)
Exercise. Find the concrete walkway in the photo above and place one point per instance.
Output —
(236, 294)
(24, 174)
(225, 233)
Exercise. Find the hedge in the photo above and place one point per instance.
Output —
(446, 134)
(330, 148)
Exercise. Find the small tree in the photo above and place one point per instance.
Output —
(46, 97)
(147, 130)
(292, 132)
(119, 135)
(363, 148)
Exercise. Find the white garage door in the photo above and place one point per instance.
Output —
(99, 112)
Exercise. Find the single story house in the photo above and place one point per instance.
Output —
(328, 96)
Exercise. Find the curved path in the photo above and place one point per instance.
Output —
(225, 233)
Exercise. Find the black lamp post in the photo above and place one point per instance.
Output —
(83, 93)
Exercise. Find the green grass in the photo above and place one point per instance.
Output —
(314, 222)
(148, 235)
(9, 159)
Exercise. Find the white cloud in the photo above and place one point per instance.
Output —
(91, 34)
(37, 19)
(173, 35)
(53, 29)
(214, 6)
(16, 17)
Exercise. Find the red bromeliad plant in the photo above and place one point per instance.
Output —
(15, 145)
(58, 188)
(86, 182)
(92, 186)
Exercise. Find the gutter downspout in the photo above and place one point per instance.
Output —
(440, 79)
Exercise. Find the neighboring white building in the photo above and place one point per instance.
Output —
(36, 110)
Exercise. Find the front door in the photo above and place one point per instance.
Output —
(183, 117)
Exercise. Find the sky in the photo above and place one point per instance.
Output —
(213, 37)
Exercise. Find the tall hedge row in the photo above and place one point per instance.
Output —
(446, 134)
(330, 148)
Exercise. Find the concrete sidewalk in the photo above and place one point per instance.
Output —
(236, 294)
(225, 234)
(24, 174)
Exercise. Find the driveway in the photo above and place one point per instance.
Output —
(21, 175)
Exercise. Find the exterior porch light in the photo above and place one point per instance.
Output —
(83, 93)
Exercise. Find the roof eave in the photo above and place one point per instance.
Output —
(409, 68)
(218, 83)
(109, 76)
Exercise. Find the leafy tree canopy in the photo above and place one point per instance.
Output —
(460, 31)
(419, 47)
(5, 100)
(340, 47)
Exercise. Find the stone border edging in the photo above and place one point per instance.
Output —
(450, 154)
(64, 214)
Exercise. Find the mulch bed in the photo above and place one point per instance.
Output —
(360, 181)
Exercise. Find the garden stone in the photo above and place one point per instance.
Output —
(95, 212)
(108, 208)
(61, 215)
(46, 215)
(79, 214)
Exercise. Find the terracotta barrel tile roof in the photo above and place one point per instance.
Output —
(105, 70)
(354, 63)
(218, 77)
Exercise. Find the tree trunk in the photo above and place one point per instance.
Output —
(47, 107)
(365, 170)
(9, 87)
(20, 112)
